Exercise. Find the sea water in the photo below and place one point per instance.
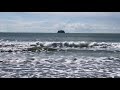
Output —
(76, 55)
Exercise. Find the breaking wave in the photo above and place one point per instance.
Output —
(51, 46)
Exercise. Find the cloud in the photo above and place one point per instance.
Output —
(76, 14)
(53, 26)
(53, 21)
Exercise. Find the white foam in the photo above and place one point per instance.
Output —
(81, 45)
(70, 66)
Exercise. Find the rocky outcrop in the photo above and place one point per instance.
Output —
(61, 31)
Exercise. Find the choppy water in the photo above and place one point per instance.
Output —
(37, 55)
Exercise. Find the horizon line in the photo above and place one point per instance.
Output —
(56, 32)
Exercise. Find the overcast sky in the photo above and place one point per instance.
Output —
(51, 22)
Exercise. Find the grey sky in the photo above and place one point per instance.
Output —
(51, 22)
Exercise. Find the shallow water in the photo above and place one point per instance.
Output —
(57, 65)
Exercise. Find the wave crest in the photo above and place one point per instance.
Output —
(51, 46)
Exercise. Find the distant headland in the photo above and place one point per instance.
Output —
(61, 31)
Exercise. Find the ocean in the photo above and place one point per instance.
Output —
(59, 55)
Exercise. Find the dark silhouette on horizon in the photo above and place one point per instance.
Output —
(61, 31)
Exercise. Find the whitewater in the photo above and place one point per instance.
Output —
(59, 55)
